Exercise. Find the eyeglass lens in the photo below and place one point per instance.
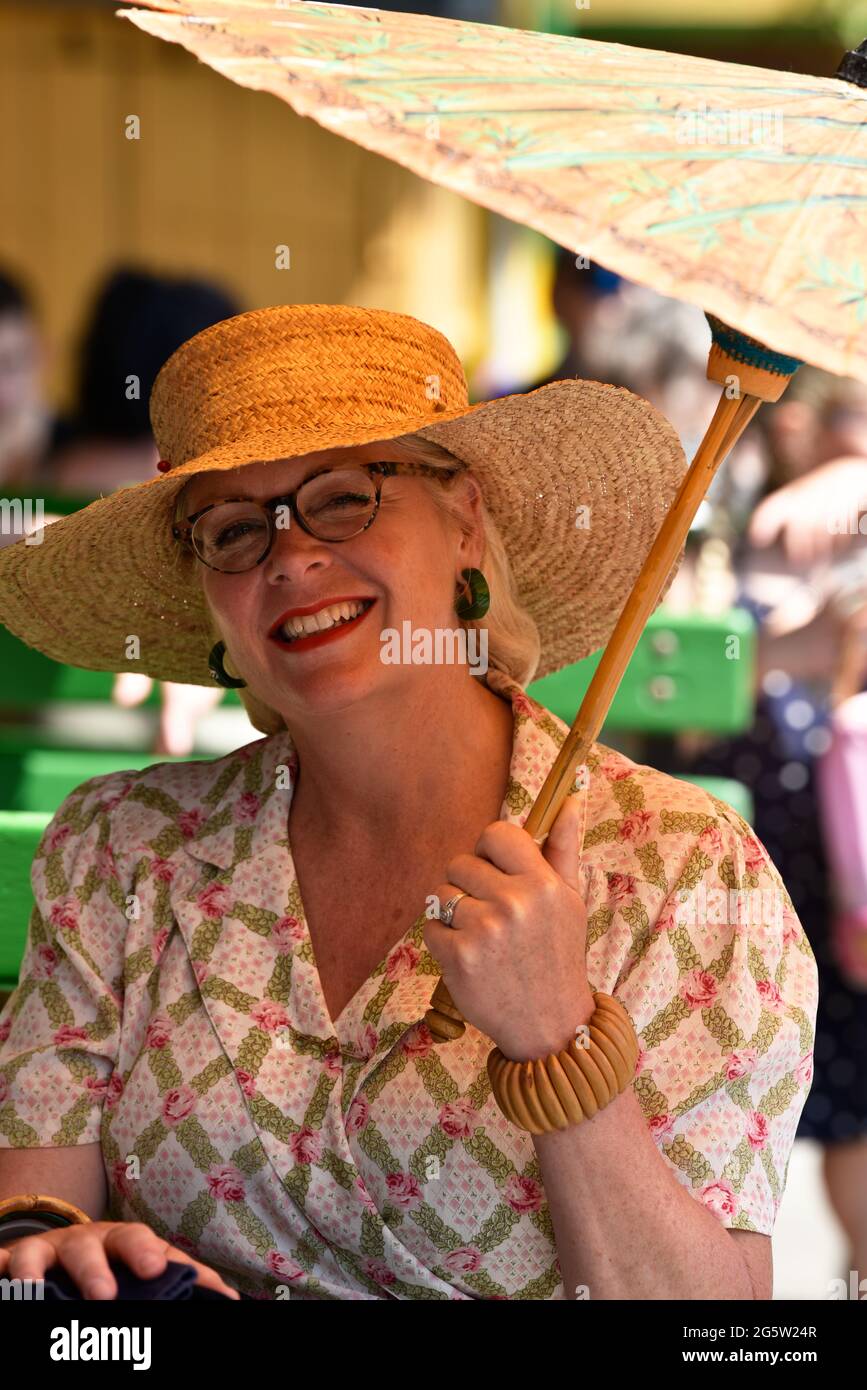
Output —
(235, 536)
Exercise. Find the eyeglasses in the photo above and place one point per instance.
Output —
(236, 533)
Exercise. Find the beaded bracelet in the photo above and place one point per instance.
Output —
(564, 1088)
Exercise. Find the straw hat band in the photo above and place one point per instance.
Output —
(276, 385)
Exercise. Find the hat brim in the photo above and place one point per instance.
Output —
(578, 476)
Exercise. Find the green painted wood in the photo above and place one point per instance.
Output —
(689, 671)
(29, 679)
(20, 833)
(727, 789)
(38, 779)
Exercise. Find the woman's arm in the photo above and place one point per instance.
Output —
(722, 991)
(76, 1174)
(625, 1226)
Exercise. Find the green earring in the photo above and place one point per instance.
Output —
(475, 600)
(218, 670)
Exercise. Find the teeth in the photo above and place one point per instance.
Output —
(303, 626)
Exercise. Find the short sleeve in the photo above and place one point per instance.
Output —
(60, 1027)
(722, 986)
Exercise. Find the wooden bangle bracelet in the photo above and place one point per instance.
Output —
(25, 1202)
(564, 1088)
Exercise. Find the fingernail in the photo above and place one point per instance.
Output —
(100, 1288)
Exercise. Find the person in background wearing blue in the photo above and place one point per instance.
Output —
(794, 567)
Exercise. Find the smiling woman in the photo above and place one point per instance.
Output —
(244, 1055)
(512, 640)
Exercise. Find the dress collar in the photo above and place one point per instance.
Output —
(247, 807)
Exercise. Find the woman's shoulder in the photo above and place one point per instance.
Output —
(636, 804)
(667, 841)
(132, 803)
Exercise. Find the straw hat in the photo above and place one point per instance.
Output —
(578, 476)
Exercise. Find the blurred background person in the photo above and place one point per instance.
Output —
(136, 321)
(803, 575)
(626, 334)
(29, 429)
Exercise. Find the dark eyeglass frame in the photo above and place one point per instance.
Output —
(182, 530)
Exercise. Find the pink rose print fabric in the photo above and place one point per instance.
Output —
(169, 1008)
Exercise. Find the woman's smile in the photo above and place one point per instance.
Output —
(301, 629)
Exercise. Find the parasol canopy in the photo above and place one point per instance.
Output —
(736, 188)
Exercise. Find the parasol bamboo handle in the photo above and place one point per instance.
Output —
(729, 420)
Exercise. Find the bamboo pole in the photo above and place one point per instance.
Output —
(730, 419)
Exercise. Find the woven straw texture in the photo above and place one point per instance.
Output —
(577, 474)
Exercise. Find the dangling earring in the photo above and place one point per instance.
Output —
(475, 599)
(218, 670)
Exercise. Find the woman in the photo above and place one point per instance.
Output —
(218, 1041)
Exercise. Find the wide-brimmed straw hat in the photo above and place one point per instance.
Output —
(577, 475)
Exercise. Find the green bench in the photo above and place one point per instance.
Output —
(688, 671)
(691, 671)
(38, 779)
(29, 680)
(20, 833)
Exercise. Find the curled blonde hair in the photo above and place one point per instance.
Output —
(514, 646)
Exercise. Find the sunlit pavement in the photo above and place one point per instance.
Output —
(809, 1246)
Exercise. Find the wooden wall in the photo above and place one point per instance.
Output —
(219, 177)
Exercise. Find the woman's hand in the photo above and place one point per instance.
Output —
(514, 958)
(810, 517)
(84, 1252)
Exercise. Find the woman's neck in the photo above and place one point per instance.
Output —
(436, 750)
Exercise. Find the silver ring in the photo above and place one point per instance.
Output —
(447, 913)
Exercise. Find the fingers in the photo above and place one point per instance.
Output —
(139, 1247)
(147, 1255)
(205, 1275)
(503, 849)
(27, 1258)
(563, 848)
(84, 1252)
(509, 848)
(83, 1258)
(475, 876)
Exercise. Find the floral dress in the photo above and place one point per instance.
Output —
(169, 1007)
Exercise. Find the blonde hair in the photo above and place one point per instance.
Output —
(514, 645)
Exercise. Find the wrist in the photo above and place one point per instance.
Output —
(550, 1036)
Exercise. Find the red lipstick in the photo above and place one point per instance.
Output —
(331, 634)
